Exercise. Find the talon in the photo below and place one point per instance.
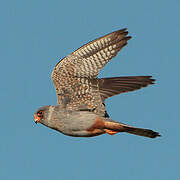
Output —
(110, 132)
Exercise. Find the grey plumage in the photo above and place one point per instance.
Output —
(80, 109)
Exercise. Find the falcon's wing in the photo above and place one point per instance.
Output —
(75, 76)
(112, 86)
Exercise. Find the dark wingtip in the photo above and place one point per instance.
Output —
(122, 30)
(150, 77)
(128, 37)
(152, 80)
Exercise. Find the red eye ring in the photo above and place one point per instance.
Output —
(40, 113)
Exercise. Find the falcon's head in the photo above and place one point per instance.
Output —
(41, 115)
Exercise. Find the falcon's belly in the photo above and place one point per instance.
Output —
(79, 124)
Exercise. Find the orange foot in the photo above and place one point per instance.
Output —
(110, 132)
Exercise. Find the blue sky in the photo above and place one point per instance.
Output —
(34, 35)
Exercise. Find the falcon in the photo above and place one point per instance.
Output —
(81, 95)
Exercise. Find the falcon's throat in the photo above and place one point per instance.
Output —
(49, 115)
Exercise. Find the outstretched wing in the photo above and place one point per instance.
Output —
(75, 76)
(112, 86)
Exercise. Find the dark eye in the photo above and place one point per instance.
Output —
(40, 113)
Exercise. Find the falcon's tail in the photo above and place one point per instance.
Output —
(112, 86)
(113, 127)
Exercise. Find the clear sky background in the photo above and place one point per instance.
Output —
(34, 35)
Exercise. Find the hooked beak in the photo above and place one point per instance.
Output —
(36, 119)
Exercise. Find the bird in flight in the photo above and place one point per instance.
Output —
(81, 95)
